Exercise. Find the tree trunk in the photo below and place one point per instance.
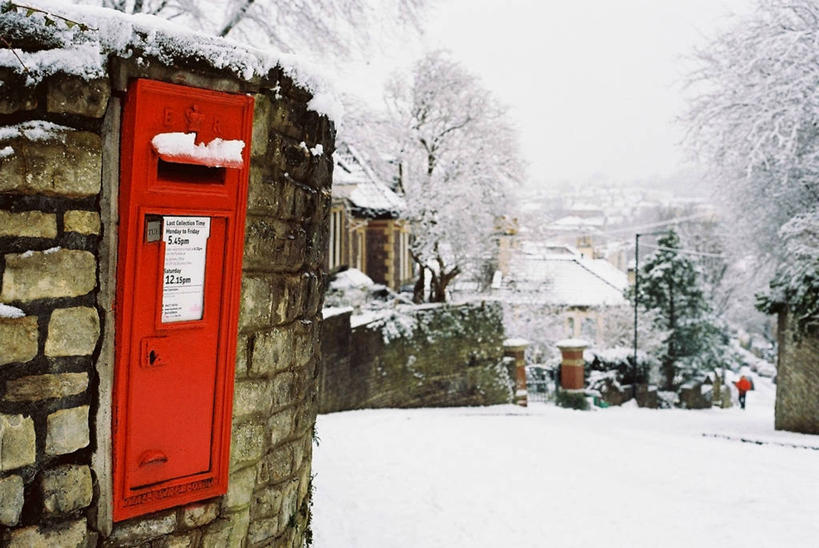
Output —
(418, 288)
(670, 366)
(439, 283)
(437, 289)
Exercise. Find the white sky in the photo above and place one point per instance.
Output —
(593, 85)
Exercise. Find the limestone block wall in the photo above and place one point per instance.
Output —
(797, 379)
(50, 188)
(442, 355)
(59, 150)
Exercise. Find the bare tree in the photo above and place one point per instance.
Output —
(458, 156)
(756, 122)
(318, 27)
(169, 9)
(756, 117)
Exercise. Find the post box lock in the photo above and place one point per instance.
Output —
(154, 352)
(181, 231)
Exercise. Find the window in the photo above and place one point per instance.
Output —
(336, 236)
(588, 329)
(361, 251)
(404, 259)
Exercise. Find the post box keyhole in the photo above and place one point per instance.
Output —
(152, 357)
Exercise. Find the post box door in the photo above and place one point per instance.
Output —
(173, 363)
(179, 269)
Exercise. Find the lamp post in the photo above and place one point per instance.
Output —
(636, 297)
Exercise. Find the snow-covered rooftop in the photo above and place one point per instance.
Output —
(564, 279)
(354, 180)
(60, 37)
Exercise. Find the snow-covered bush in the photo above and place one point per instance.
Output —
(616, 364)
(352, 288)
(572, 399)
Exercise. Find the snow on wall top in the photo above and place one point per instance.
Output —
(82, 46)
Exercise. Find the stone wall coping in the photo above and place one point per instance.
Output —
(84, 50)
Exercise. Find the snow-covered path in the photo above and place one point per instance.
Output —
(543, 476)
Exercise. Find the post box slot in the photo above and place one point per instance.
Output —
(175, 172)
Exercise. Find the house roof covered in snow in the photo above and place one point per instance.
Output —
(56, 37)
(354, 181)
(565, 279)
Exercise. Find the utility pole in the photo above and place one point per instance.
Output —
(636, 298)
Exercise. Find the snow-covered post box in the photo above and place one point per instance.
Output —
(572, 364)
(516, 349)
(182, 221)
(164, 209)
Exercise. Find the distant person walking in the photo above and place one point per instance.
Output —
(744, 384)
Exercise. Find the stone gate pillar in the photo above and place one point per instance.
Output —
(572, 364)
(516, 349)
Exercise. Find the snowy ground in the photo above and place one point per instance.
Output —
(543, 476)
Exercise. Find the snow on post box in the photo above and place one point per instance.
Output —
(183, 193)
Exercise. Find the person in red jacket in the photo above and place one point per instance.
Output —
(743, 385)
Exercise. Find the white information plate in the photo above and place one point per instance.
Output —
(183, 277)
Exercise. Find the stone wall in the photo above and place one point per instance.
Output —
(58, 242)
(50, 189)
(444, 355)
(797, 379)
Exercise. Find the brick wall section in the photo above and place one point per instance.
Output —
(797, 380)
(437, 356)
(51, 257)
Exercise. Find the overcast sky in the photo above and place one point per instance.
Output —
(593, 85)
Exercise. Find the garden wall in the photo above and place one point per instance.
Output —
(59, 176)
(440, 355)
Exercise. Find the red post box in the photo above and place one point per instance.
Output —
(183, 193)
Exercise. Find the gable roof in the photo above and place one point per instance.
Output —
(354, 181)
(564, 279)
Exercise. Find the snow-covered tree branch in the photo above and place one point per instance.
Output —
(458, 156)
(756, 122)
(333, 28)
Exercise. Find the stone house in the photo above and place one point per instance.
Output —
(560, 282)
(67, 87)
(366, 229)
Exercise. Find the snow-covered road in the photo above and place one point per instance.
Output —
(543, 476)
